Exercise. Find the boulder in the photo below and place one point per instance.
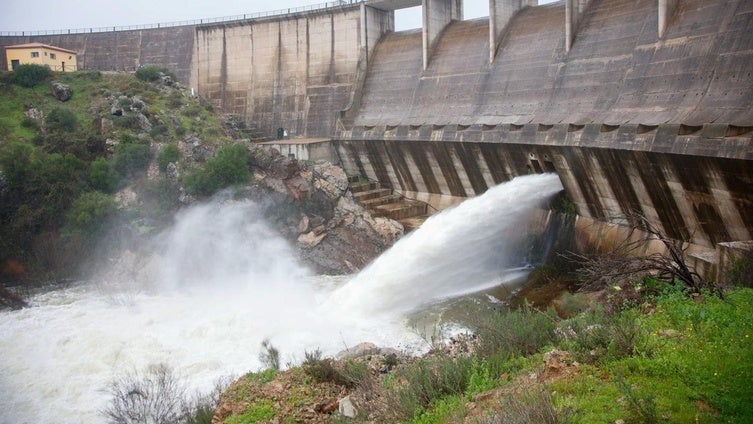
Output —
(61, 91)
(347, 409)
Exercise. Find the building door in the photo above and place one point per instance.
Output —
(63, 66)
(14, 64)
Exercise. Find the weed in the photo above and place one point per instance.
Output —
(269, 355)
(519, 332)
(531, 405)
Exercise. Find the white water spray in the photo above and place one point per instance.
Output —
(225, 282)
(461, 250)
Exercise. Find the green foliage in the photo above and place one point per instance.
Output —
(443, 410)
(323, 370)
(256, 413)
(640, 405)
(89, 215)
(131, 158)
(61, 119)
(102, 176)
(416, 387)
(519, 332)
(229, 167)
(30, 123)
(151, 73)
(192, 111)
(169, 153)
(30, 75)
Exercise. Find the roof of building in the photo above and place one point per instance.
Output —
(40, 45)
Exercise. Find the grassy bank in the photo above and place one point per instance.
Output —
(669, 357)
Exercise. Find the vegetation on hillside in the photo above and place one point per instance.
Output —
(66, 167)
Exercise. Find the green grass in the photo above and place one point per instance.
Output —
(257, 412)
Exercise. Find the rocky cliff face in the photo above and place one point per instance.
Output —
(313, 208)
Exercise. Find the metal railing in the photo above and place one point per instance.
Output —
(244, 17)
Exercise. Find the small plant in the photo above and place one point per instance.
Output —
(269, 355)
(641, 406)
(30, 75)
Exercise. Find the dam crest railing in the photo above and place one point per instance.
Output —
(234, 18)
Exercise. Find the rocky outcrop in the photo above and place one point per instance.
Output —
(313, 208)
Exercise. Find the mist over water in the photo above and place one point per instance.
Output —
(219, 282)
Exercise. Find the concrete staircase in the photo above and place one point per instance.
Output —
(386, 203)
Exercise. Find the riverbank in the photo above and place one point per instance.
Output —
(669, 357)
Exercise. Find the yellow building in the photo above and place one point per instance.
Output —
(58, 59)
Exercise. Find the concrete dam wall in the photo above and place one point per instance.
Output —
(630, 121)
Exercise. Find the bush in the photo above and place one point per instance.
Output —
(230, 166)
(519, 332)
(61, 119)
(324, 370)
(89, 215)
(415, 388)
(131, 158)
(151, 72)
(30, 123)
(168, 154)
(102, 176)
(30, 75)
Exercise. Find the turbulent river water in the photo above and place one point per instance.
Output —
(222, 282)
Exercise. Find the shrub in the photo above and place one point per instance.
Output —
(30, 75)
(532, 405)
(94, 75)
(89, 215)
(519, 332)
(155, 397)
(131, 158)
(102, 176)
(158, 131)
(30, 123)
(168, 154)
(415, 388)
(269, 355)
(151, 72)
(230, 166)
(324, 370)
(61, 119)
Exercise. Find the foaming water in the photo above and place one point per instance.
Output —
(224, 281)
(461, 250)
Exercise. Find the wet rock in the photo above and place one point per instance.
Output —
(311, 239)
(303, 224)
(61, 91)
(358, 351)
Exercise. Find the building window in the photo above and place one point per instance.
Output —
(52, 55)
(45, 53)
(34, 54)
(70, 57)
